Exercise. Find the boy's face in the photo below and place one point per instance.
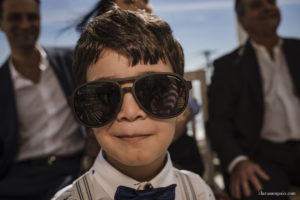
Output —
(132, 138)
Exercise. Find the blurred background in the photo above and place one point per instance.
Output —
(206, 28)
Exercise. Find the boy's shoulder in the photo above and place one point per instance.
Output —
(192, 185)
(81, 189)
(65, 194)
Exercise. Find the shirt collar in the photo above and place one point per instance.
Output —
(256, 45)
(110, 178)
(44, 64)
(261, 48)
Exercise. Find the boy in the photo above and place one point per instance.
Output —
(130, 70)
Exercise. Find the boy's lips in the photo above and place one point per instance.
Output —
(133, 138)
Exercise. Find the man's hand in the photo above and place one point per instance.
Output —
(244, 172)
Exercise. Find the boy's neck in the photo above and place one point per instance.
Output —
(139, 173)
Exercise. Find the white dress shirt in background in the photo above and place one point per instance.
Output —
(281, 105)
(46, 123)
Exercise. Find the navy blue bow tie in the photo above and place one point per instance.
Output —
(163, 193)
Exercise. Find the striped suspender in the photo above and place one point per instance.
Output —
(186, 186)
(84, 191)
(82, 187)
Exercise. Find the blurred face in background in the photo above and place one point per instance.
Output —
(20, 21)
(134, 5)
(260, 17)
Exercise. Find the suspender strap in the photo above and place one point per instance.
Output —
(186, 186)
(83, 188)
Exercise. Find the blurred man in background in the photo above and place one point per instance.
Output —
(254, 107)
(37, 128)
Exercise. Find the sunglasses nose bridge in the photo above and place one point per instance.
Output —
(127, 89)
(131, 90)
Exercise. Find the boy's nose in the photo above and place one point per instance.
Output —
(130, 110)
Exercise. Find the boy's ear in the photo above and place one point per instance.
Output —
(180, 126)
(181, 121)
(180, 117)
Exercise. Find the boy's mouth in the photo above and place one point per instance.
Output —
(132, 138)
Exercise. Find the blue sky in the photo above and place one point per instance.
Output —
(198, 25)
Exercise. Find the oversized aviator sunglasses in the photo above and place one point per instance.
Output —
(160, 95)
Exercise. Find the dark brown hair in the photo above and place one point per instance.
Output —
(139, 36)
(239, 8)
(101, 7)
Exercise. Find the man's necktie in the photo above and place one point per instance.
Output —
(162, 193)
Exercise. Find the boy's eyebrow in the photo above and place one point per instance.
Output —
(115, 77)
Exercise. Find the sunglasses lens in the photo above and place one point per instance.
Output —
(95, 104)
(161, 95)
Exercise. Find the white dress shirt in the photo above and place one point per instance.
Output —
(105, 180)
(46, 123)
(282, 106)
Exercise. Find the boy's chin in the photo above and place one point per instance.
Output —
(137, 161)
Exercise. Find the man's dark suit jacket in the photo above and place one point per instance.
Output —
(61, 61)
(236, 101)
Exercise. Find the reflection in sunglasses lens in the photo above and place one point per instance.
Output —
(159, 95)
